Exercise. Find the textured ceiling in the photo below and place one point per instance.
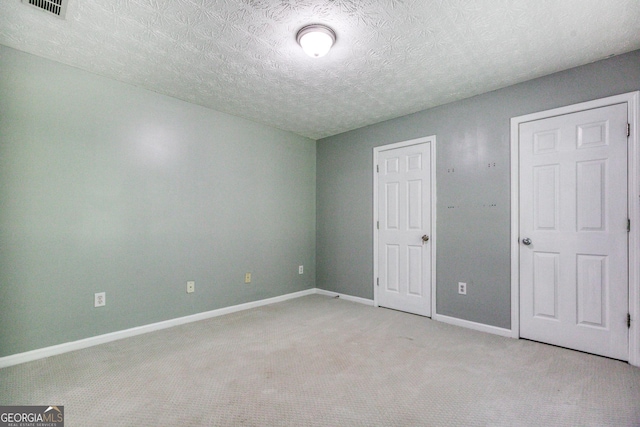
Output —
(392, 57)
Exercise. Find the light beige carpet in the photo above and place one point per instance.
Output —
(319, 361)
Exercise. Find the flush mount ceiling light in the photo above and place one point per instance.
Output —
(316, 39)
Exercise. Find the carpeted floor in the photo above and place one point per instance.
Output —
(320, 361)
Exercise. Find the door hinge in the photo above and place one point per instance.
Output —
(628, 129)
(378, 225)
(628, 225)
(378, 281)
(628, 320)
(378, 168)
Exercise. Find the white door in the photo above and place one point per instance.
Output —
(573, 231)
(404, 234)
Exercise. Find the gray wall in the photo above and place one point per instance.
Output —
(109, 187)
(473, 188)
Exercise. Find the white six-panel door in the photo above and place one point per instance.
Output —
(404, 248)
(573, 231)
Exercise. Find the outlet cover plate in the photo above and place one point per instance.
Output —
(462, 288)
(100, 299)
(301, 269)
(191, 286)
(247, 278)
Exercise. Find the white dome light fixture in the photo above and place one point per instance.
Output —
(316, 39)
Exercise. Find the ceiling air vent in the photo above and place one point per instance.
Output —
(54, 7)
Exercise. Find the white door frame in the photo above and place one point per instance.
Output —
(430, 139)
(632, 100)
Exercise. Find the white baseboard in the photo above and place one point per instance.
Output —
(41, 353)
(473, 325)
(345, 297)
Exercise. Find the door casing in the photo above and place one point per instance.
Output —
(429, 139)
(632, 100)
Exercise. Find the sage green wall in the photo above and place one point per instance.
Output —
(108, 187)
(473, 188)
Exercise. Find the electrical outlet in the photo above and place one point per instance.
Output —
(247, 278)
(301, 269)
(191, 286)
(100, 299)
(462, 288)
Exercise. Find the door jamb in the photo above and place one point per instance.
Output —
(632, 99)
(376, 150)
